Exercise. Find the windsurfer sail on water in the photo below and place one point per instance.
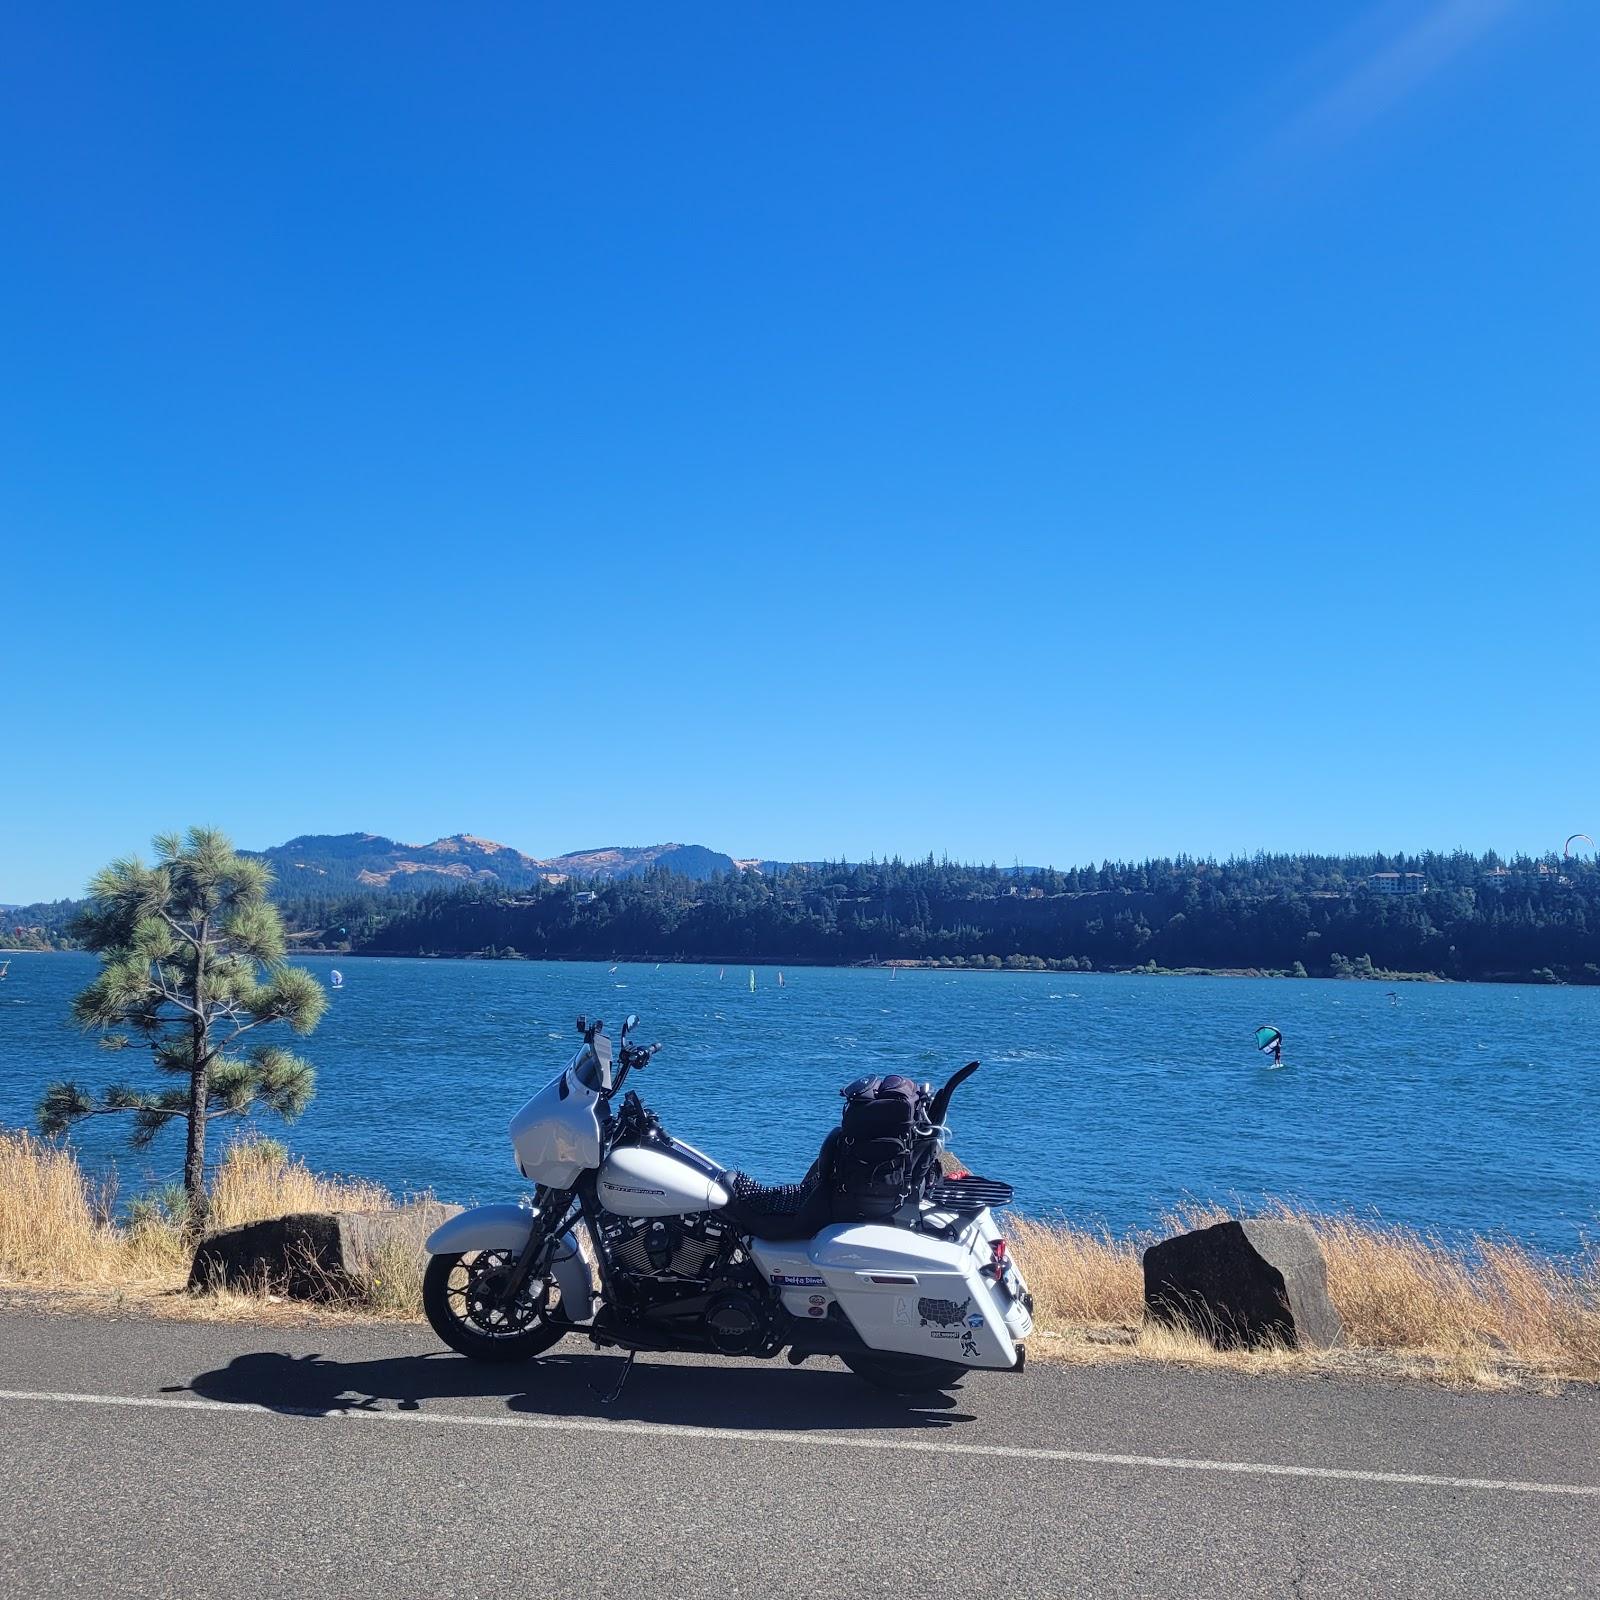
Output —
(1270, 1043)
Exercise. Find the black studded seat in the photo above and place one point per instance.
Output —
(781, 1211)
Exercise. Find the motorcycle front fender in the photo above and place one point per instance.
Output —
(482, 1228)
(507, 1227)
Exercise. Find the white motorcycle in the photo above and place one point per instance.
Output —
(905, 1277)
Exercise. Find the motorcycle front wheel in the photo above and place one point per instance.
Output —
(904, 1374)
(462, 1297)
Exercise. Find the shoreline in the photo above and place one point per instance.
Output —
(909, 963)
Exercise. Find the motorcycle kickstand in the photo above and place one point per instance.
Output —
(627, 1369)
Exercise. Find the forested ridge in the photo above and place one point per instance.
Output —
(1455, 916)
(1452, 915)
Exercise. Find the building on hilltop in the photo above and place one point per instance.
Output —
(1397, 883)
(1540, 875)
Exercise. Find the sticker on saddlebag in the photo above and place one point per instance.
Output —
(786, 1280)
(947, 1313)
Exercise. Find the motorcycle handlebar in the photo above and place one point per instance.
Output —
(632, 1055)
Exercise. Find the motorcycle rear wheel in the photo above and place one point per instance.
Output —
(904, 1374)
(458, 1295)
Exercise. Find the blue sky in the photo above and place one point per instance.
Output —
(1028, 431)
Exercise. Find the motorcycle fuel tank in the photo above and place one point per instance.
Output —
(639, 1182)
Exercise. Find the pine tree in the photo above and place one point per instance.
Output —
(191, 961)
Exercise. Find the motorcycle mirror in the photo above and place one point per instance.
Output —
(583, 1024)
(630, 1024)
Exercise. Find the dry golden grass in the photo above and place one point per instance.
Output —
(1401, 1290)
(393, 1285)
(259, 1179)
(1474, 1313)
(1078, 1278)
(1487, 1314)
(57, 1230)
(55, 1227)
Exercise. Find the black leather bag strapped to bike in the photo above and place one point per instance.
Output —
(875, 1157)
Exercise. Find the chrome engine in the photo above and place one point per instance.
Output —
(683, 1251)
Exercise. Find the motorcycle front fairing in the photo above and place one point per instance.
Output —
(556, 1135)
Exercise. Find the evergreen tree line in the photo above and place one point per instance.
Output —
(1477, 917)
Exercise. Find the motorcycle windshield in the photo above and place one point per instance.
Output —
(592, 1065)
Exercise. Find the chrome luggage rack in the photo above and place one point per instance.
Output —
(969, 1194)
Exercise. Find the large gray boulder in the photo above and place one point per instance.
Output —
(1255, 1282)
(313, 1255)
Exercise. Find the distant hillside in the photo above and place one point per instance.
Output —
(623, 861)
(43, 926)
(333, 863)
(319, 863)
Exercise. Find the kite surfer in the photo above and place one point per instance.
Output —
(1270, 1043)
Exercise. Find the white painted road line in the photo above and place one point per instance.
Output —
(826, 1441)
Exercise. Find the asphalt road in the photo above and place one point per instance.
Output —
(142, 1458)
